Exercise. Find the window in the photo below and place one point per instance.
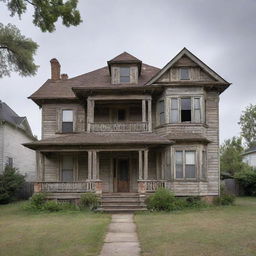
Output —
(121, 115)
(161, 112)
(67, 121)
(186, 110)
(124, 75)
(10, 162)
(184, 74)
(185, 164)
(67, 168)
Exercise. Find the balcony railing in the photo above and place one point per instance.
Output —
(145, 186)
(119, 127)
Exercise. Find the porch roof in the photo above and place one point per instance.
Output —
(187, 137)
(94, 139)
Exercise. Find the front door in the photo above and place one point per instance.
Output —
(122, 175)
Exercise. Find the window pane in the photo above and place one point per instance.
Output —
(197, 103)
(197, 116)
(179, 157)
(67, 175)
(124, 71)
(185, 103)
(67, 115)
(174, 103)
(204, 170)
(174, 116)
(124, 79)
(190, 171)
(184, 75)
(179, 171)
(190, 157)
(67, 126)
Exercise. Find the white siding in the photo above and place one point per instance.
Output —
(250, 159)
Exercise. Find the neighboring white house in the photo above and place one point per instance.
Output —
(14, 131)
(249, 156)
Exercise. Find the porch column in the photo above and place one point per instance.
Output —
(149, 115)
(144, 111)
(145, 164)
(40, 166)
(162, 164)
(94, 165)
(89, 165)
(140, 164)
(158, 166)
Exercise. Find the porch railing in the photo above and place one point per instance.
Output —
(119, 127)
(151, 185)
(75, 187)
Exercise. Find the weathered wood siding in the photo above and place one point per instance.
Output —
(51, 118)
(51, 167)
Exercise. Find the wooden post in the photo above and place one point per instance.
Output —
(157, 166)
(98, 165)
(40, 166)
(89, 165)
(94, 165)
(143, 111)
(140, 164)
(88, 116)
(145, 164)
(149, 115)
(162, 164)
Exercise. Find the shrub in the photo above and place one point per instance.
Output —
(89, 201)
(247, 179)
(195, 202)
(224, 198)
(37, 201)
(52, 206)
(10, 182)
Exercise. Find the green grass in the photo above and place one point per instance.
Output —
(215, 231)
(52, 234)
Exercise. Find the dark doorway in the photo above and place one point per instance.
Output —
(122, 175)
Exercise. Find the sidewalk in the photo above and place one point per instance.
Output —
(121, 239)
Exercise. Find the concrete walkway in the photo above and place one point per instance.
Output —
(121, 239)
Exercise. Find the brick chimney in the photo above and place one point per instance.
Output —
(55, 69)
(64, 76)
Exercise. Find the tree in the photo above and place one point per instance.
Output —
(10, 182)
(230, 156)
(47, 12)
(16, 52)
(248, 125)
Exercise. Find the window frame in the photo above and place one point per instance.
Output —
(159, 111)
(193, 119)
(184, 150)
(61, 120)
(121, 76)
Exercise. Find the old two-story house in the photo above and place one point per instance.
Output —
(14, 131)
(130, 128)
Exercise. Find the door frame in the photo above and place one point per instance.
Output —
(115, 172)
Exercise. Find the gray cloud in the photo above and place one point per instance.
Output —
(220, 33)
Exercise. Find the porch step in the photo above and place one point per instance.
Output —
(122, 202)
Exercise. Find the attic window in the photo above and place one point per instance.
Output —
(184, 74)
(124, 75)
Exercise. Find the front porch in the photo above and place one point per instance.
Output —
(101, 171)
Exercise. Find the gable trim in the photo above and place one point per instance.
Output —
(190, 55)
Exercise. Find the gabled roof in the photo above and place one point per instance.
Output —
(124, 57)
(191, 56)
(9, 116)
(249, 151)
(90, 139)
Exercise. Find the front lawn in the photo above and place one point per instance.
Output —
(216, 231)
(50, 234)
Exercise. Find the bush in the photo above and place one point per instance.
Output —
(37, 201)
(52, 206)
(10, 182)
(89, 201)
(247, 179)
(164, 200)
(224, 198)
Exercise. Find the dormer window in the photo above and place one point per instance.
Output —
(184, 74)
(124, 75)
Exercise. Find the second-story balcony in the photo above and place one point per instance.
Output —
(119, 114)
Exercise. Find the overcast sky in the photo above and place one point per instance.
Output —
(221, 33)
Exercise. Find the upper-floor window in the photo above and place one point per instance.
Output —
(124, 75)
(161, 112)
(67, 121)
(184, 74)
(186, 109)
